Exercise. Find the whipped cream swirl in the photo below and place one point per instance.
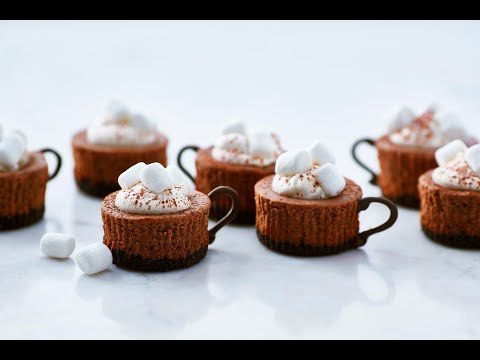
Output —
(430, 129)
(120, 127)
(308, 174)
(459, 170)
(152, 189)
(14, 154)
(235, 146)
(140, 200)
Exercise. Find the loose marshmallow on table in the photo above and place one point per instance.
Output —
(11, 150)
(401, 118)
(155, 178)
(330, 179)
(234, 127)
(179, 178)
(94, 258)
(449, 152)
(293, 162)
(320, 154)
(472, 157)
(131, 176)
(57, 245)
(261, 144)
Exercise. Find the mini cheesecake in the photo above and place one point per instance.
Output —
(23, 193)
(97, 167)
(212, 173)
(449, 216)
(307, 227)
(159, 242)
(400, 168)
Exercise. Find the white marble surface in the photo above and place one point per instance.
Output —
(306, 80)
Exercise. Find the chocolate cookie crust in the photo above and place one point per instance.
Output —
(157, 242)
(23, 193)
(97, 167)
(449, 216)
(212, 173)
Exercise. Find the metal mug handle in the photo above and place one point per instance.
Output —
(232, 213)
(374, 179)
(363, 204)
(59, 162)
(179, 159)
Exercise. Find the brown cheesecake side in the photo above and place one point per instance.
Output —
(449, 216)
(400, 168)
(23, 193)
(157, 242)
(307, 227)
(212, 173)
(97, 167)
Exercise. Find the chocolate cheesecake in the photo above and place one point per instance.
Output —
(97, 167)
(307, 227)
(157, 242)
(212, 173)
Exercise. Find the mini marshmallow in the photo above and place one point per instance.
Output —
(94, 258)
(449, 152)
(401, 118)
(179, 178)
(21, 135)
(330, 179)
(131, 176)
(155, 178)
(117, 113)
(320, 154)
(233, 141)
(451, 126)
(472, 157)
(11, 150)
(57, 245)
(237, 127)
(261, 144)
(141, 122)
(293, 162)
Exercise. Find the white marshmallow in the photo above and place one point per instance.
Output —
(449, 152)
(400, 118)
(11, 150)
(117, 113)
(155, 178)
(293, 162)
(330, 179)
(179, 178)
(320, 154)
(131, 176)
(233, 141)
(94, 258)
(432, 107)
(452, 127)
(237, 127)
(21, 135)
(141, 122)
(261, 144)
(472, 157)
(57, 245)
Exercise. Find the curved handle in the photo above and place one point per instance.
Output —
(374, 179)
(59, 162)
(179, 159)
(232, 213)
(363, 204)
